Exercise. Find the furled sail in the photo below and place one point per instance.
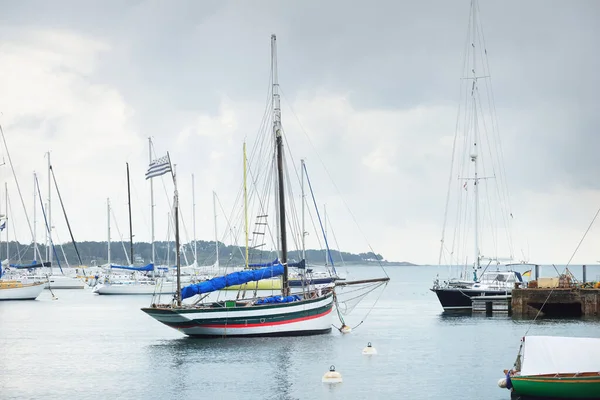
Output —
(235, 278)
(269, 264)
(34, 264)
(300, 264)
(149, 267)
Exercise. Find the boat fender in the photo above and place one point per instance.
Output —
(332, 376)
(369, 350)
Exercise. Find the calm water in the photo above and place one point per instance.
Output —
(86, 346)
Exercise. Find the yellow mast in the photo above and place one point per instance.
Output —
(245, 206)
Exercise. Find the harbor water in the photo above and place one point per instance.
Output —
(86, 346)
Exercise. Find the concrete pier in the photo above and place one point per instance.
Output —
(559, 302)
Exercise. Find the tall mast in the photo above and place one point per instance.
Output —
(194, 221)
(35, 248)
(151, 204)
(216, 234)
(168, 239)
(108, 230)
(277, 131)
(50, 254)
(474, 152)
(130, 224)
(245, 206)
(178, 257)
(6, 213)
(325, 229)
(302, 200)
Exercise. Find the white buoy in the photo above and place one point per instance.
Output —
(369, 350)
(332, 376)
(345, 329)
(502, 383)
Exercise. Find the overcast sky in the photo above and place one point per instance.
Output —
(374, 85)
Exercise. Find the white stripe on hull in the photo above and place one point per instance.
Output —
(28, 292)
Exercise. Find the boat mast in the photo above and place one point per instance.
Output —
(130, 224)
(474, 152)
(35, 247)
(151, 208)
(302, 199)
(49, 249)
(277, 131)
(178, 255)
(216, 235)
(168, 239)
(194, 221)
(108, 230)
(245, 205)
(325, 229)
(6, 219)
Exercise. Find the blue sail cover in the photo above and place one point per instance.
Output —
(149, 267)
(34, 264)
(235, 278)
(300, 264)
(259, 265)
(279, 299)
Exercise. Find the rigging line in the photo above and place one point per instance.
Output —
(331, 179)
(67, 220)
(228, 226)
(335, 240)
(62, 249)
(319, 218)
(568, 263)
(501, 195)
(494, 118)
(51, 244)
(12, 168)
(456, 132)
(121, 237)
(14, 232)
(373, 307)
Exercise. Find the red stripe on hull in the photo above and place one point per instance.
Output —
(228, 326)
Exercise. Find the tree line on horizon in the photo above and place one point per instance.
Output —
(96, 253)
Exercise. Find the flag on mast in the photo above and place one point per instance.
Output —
(158, 167)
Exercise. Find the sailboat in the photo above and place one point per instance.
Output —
(480, 129)
(13, 289)
(555, 367)
(308, 313)
(135, 284)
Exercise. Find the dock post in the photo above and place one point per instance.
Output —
(584, 273)
(537, 272)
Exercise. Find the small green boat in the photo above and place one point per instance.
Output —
(555, 367)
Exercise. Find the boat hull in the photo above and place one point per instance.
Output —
(64, 282)
(19, 291)
(560, 387)
(133, 289)
(305, 317)
(460, 298)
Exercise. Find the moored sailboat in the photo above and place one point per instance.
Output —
(308, 313)
(556, 367)
(483, 217)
